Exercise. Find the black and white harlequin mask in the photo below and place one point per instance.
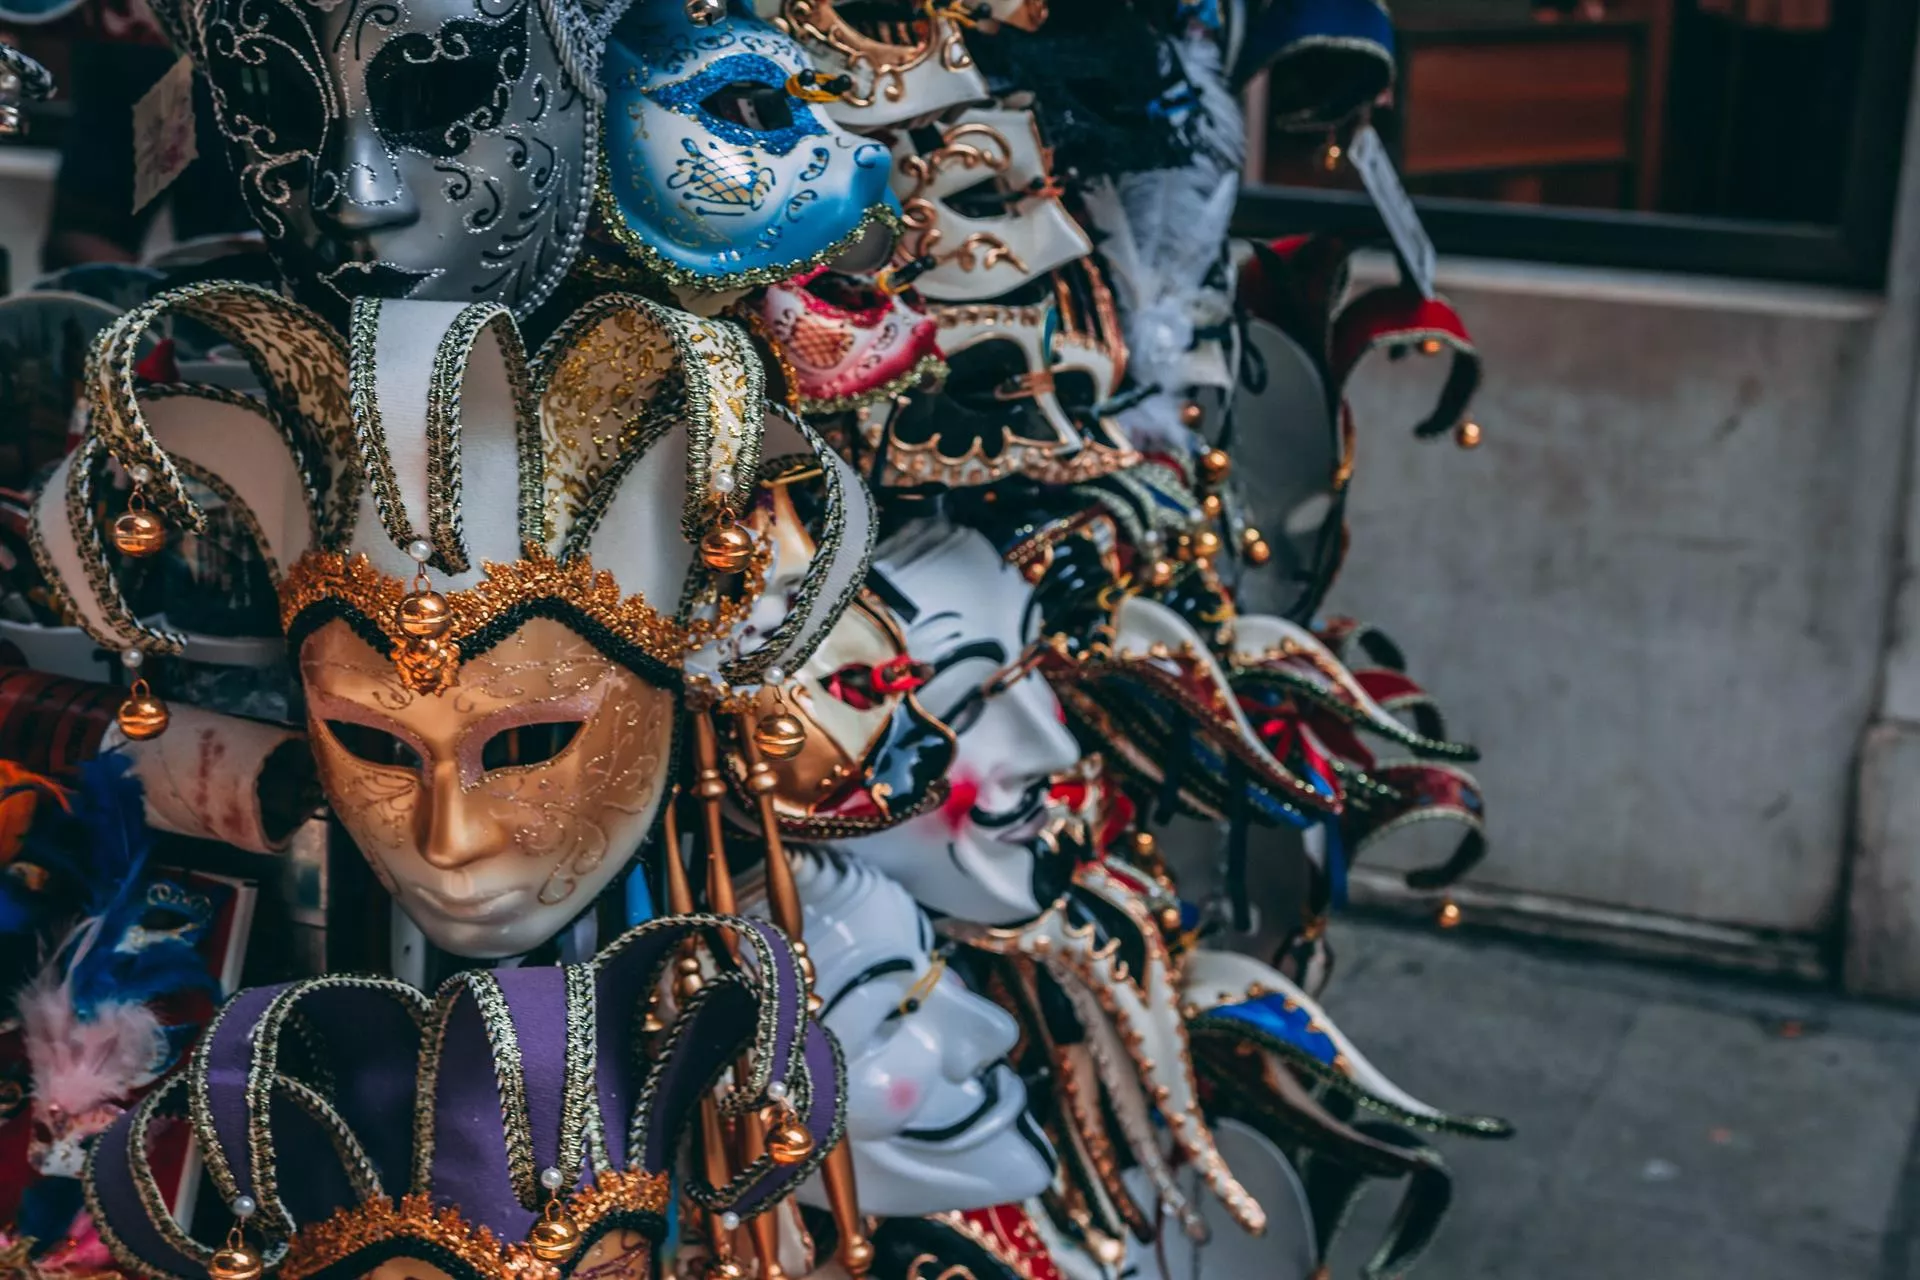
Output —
(427, 149)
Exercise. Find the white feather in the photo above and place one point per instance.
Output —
(1163, 234)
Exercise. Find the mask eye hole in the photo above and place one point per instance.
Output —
(269, 83)
(374, 746)
(429, 93)
(986, 198)
(886, 21)
(980, 374)
(527, 744)
(751, 104)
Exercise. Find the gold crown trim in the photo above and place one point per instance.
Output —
(321, 577)
(414, 1218)
(378, 1220)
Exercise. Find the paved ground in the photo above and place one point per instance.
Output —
(1671, 1126)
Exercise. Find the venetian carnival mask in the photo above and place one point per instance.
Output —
(872, 757)
(850, 343)
(906, 61)
(1000, 411)
(491, 711)
(1002, 845)
(500, 808)
(980, 200)
(720, 173)
(936, 1118)
(431, 149)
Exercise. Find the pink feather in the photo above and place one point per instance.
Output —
(79, 1064)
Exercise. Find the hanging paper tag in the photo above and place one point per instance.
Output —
(163, 133)
(1369, 157)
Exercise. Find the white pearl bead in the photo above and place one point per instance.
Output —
(723, 481)
(777, 1090)
(730, 1220)
(245, 1207)
(420, 550)
(776, 675)
(140, 473)
(132, 658)
(550, 1178)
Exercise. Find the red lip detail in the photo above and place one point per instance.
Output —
(959, 802)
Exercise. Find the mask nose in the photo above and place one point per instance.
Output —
(358, 189)
(1047, 747)
(449, 828)
(975, 1033)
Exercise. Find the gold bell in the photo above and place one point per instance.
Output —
(236, 1263)
(1206, 544)
(726, 1269)
(555, 1236)
(726, 548)
(143, 716)
(789, 1142)
(1211, 506)
(236, 1260)
(1170, 919)
(1192, 415)
(779, 736)
(1255, 547)
(1159, 573)
(1214, 465)
(1467, 435)
(139, 532)
(424, 615)
(1142, 844)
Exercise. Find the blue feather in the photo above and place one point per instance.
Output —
(110, 808)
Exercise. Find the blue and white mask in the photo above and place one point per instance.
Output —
(718, 175)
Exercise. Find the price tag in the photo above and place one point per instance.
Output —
(1369, 157)
(163, 133)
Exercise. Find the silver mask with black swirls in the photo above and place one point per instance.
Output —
(433, 149)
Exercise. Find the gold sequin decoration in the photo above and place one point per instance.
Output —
(319, 577)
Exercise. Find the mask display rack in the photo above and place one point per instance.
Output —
(698, 597)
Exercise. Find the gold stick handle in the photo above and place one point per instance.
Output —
(856, 1251)
(711, 789)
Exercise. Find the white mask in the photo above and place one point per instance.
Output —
(936, 1119)
(984, 206)
(994, 853)
(901, 71)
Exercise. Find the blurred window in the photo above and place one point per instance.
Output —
(1754, 138)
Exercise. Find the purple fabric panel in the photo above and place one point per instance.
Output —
(371, 1045)
(111, 1171)
(537, 1002)
(229, 1055)
(470, 1139)
(620, 999)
